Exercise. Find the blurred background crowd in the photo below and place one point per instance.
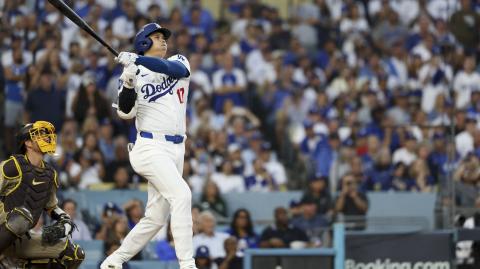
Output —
(333, 97)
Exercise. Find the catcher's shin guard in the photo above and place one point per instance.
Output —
(72, 256)
(6, 238)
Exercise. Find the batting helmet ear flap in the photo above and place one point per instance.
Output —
(142, 40)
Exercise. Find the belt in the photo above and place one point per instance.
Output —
(175, 139)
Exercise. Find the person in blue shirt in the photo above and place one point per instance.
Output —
(241, 228)
(15, 76)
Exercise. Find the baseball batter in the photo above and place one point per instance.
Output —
(154, 91)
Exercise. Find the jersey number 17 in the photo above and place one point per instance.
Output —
(180, 93)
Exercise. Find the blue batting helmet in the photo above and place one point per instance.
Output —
(143, 42)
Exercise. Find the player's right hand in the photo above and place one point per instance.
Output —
(126, 58)
(129, 76)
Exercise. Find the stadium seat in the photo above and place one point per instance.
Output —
(260, 206)
(93, 250)
(400, 211)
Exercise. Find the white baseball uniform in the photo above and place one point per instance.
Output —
(160, 112)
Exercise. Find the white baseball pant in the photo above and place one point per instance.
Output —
(161, 163)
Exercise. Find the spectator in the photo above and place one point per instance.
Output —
(314, 224)
(467, 178)
(81, 232)
(464, 23)
(209, 237)
(15, 92)
(134, 212)
(465, 83)
(464, 141)
(89, 100)
(273, 166)
(228, 83)
(202, 258)
(232, 260)
(350, 202)
(260, 180)
(88, 166)
(319, 193)
(226, 180)
(121, 179)
(242, 229)
(407, 153)
(43, 93)
(281, 234)
(110, 213)
(211, 199)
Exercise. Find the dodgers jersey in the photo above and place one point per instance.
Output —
(161, 100)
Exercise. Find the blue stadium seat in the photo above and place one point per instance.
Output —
(93, 250)
(261, 206)
(153, 264)
(401, 211)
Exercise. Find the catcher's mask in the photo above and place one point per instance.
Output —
(41, 132)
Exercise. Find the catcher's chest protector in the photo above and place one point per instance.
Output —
(33, 189)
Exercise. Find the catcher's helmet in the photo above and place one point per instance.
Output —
(143, 42)
(41, 132)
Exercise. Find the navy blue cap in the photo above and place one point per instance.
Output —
(318, 177)
(471, 117)
(266, 146)
(111, 206)
(202, 252)
(294, 203)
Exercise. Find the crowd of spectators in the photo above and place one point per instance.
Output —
(337, 98)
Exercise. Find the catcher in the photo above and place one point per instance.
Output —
(28, 187)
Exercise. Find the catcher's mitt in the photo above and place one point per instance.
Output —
(52, 234)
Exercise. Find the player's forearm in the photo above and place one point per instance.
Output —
(158, 65)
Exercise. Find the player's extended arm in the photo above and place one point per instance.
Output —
(172, 68)
(127, 96)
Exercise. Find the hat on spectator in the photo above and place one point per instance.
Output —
(318, 177)
(266, 146)
(112, 207)
(294, 203)
(307, 201)
(202, 252)
(105, 121)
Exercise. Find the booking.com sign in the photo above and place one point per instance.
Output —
(387, 264)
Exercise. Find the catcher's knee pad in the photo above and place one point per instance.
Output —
(72, 256)
(19, 221)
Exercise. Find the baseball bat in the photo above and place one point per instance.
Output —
(67, 11)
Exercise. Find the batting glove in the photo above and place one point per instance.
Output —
(126, 58)
(129, 76)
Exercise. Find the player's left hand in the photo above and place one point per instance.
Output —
(126, 58)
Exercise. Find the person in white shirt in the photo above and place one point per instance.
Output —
(406, 154)
(464, 141)
(226, 180)
(209, 237)
(465, 82)
(82, 232)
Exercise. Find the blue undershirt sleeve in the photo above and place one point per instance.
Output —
(171, 68)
